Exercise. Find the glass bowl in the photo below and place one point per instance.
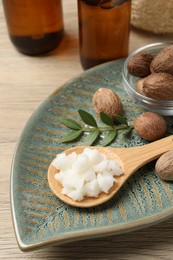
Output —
(162, 107)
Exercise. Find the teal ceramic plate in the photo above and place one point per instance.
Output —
(42, 219)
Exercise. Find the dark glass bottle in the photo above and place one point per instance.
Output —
(35, 26)
(104, 27)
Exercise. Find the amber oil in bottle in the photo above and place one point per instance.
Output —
(35, 26)
(104, 27)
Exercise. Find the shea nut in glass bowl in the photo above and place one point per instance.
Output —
(163, 107)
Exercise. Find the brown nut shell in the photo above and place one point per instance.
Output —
(150, 126)
(139, 86)
(163, 61)
(107, 101)
(164, 166)
(159, 86)
(139, 64)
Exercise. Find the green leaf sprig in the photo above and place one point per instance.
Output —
(91, 127)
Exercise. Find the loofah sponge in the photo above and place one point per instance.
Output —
(155, 16)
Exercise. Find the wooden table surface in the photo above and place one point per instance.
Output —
(24, 83)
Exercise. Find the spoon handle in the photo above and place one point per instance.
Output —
(135, 157)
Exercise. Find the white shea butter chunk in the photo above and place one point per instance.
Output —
(86, 174)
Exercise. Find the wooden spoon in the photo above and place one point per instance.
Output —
(130, 160)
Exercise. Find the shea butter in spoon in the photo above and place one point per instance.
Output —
(99, 180)
(86, 174)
